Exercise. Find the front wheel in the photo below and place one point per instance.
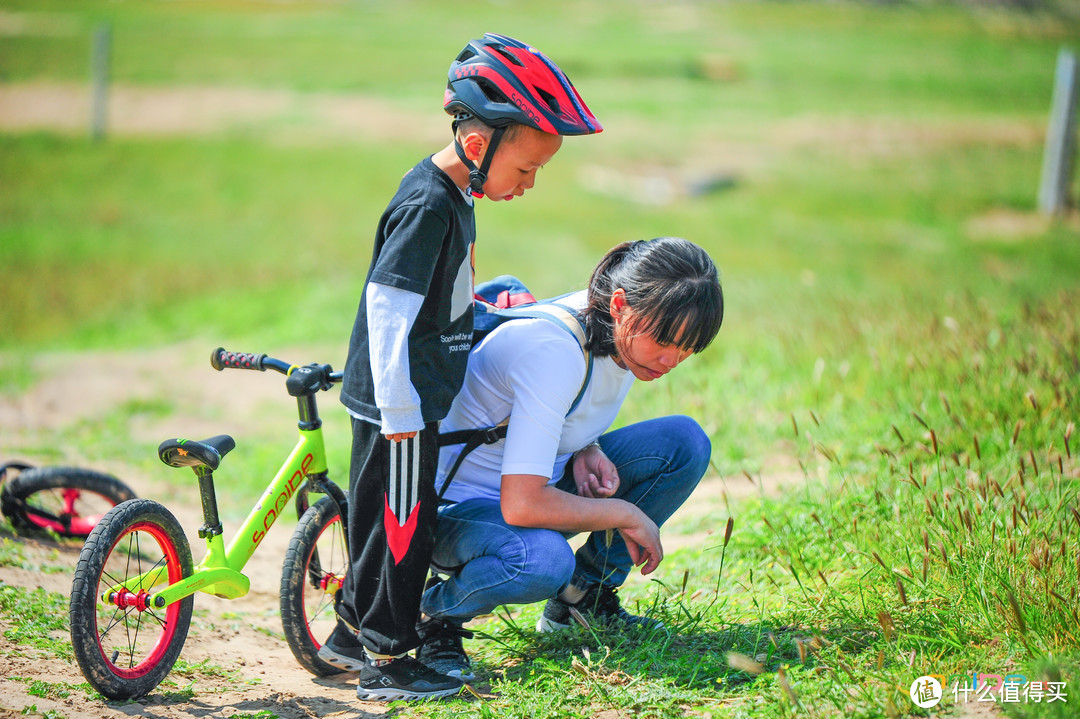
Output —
(313, 574)
(124, 645)
(65, 500)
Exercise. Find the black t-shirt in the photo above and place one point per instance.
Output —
(423, 245)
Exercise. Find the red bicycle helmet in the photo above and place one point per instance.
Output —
(501, 81)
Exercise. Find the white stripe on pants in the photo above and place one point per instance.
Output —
(404, 477)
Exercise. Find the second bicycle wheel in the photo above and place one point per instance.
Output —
(314, 572)
(66, 500)
(124, 645)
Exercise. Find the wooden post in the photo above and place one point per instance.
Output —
(99, 80)
(1060, 138)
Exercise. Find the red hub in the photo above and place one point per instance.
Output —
(331, 583)
(125, 599)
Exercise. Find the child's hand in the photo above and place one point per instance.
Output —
(398, 436)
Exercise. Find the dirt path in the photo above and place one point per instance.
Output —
(164, 111)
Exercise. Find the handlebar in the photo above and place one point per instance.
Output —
(221, 359)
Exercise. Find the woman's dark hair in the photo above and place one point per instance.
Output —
(672, 286)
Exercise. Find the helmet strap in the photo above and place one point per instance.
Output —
(478, 176)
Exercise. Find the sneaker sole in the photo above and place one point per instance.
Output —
(342, 662)
(391, 694)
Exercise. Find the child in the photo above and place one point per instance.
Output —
(411, 342)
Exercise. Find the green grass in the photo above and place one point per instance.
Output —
(35, 618)
(57, 690)
(12, 555)
(32, 710)
(901, 326)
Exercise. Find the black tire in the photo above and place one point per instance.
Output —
(65, 500)
(314, 570)
(125, 651)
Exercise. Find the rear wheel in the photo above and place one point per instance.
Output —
(313, 574)
(65, 500)
(124, 645)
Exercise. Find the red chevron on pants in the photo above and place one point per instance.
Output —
(402, 500)
(399, 536)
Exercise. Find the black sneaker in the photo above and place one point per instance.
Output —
(441, 648)
(599, 606)
(387, 680)
(343, 650)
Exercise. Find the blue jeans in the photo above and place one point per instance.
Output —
(491, 563)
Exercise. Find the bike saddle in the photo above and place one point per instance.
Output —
(189, 453)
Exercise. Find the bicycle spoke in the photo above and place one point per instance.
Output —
(147, 580)
(132, 644)
(320, 608)
(161, 622)
(118, 616)
(134, 538)
(121, 614)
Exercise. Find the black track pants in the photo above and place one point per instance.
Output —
(392, 520)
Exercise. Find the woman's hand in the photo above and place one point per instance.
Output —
(642, 540)
(594, 474)
(529, 500)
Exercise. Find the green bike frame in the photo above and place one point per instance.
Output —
(220, 572)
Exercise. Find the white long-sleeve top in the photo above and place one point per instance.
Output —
(391, 312)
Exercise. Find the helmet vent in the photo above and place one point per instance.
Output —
(550, 100)
(492, 93)
(506, 55)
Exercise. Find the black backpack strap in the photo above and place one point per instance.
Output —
(471, 438)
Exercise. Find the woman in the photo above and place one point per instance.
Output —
(501, 537)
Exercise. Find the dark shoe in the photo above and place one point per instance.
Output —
(441, 648)
(599, 606)
(403, 678)
(343, 650)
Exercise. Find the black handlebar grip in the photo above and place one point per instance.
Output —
(221, 358)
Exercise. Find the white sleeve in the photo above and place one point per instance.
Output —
(544, 382)
(391, 312)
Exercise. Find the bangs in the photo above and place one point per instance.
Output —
(689, 320)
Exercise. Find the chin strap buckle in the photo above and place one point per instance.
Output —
(478, 175)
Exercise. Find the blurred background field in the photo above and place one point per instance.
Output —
(865, 175)
(852, 168)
